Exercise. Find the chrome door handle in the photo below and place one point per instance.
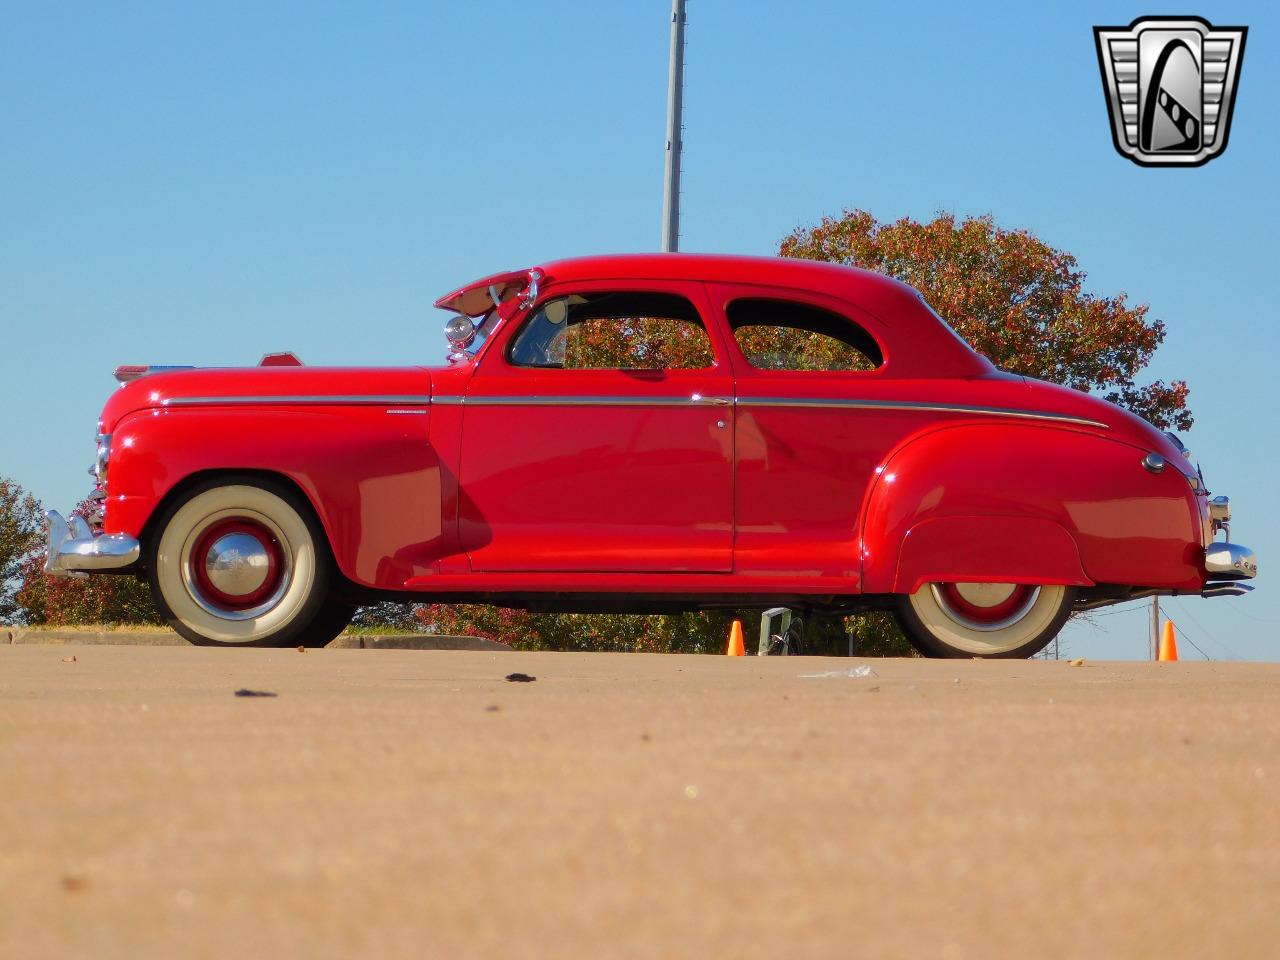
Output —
(710, 401)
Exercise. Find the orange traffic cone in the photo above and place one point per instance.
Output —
(736, 646)
(1168, 643)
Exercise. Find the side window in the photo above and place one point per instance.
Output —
(783, 335)
(614, 331)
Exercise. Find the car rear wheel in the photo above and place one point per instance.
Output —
(984, 619)
(245, 563)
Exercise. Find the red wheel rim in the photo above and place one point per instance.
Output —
(265, 541)
(1009, 607)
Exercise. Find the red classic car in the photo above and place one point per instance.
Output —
(649, 433)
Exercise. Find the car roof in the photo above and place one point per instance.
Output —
(726, 268)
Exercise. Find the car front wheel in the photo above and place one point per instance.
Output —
(245, 563)
(984, 619)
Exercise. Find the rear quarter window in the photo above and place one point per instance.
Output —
(786, 335)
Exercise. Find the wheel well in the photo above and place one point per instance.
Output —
(184, 486)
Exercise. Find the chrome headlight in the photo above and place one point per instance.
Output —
(460, 331)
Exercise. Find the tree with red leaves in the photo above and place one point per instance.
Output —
(1015, 299)
(43, 600)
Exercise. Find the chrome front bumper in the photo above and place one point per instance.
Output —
(75, 551)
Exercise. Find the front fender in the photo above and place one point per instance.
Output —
(1030, 503)
(373, 479)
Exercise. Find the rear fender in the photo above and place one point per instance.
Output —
(1036, 503)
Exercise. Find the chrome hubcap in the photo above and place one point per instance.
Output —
(237, 564)
(985, 606)
(985, 594)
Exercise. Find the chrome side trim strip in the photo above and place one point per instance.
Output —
(797, 402)
(915, 405)
(828, 403)
(335, 400)
(593, 401)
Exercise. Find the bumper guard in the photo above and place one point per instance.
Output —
(74, 550)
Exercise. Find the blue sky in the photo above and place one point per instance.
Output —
(203, 184)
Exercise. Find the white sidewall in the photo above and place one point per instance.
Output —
(986, 642)
(196, 514)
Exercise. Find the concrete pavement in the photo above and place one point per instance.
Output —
(416, 804)
(164, 637)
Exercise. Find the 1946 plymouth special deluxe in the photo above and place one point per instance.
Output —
(649, 433)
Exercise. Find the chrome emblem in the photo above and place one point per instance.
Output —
(1170, 84)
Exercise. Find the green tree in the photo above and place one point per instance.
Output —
(21, 531)
(1015, 299)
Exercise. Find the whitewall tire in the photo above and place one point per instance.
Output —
(984, 619)
(244, 562)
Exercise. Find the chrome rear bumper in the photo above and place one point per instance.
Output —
(1230, 561)
(1228, 588)
(75, 551)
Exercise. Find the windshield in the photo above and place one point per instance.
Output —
(487, 324)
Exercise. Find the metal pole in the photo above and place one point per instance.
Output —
(1155, 626)
(675, 95)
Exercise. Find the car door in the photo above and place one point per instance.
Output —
(805, 452)
(597, 436)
